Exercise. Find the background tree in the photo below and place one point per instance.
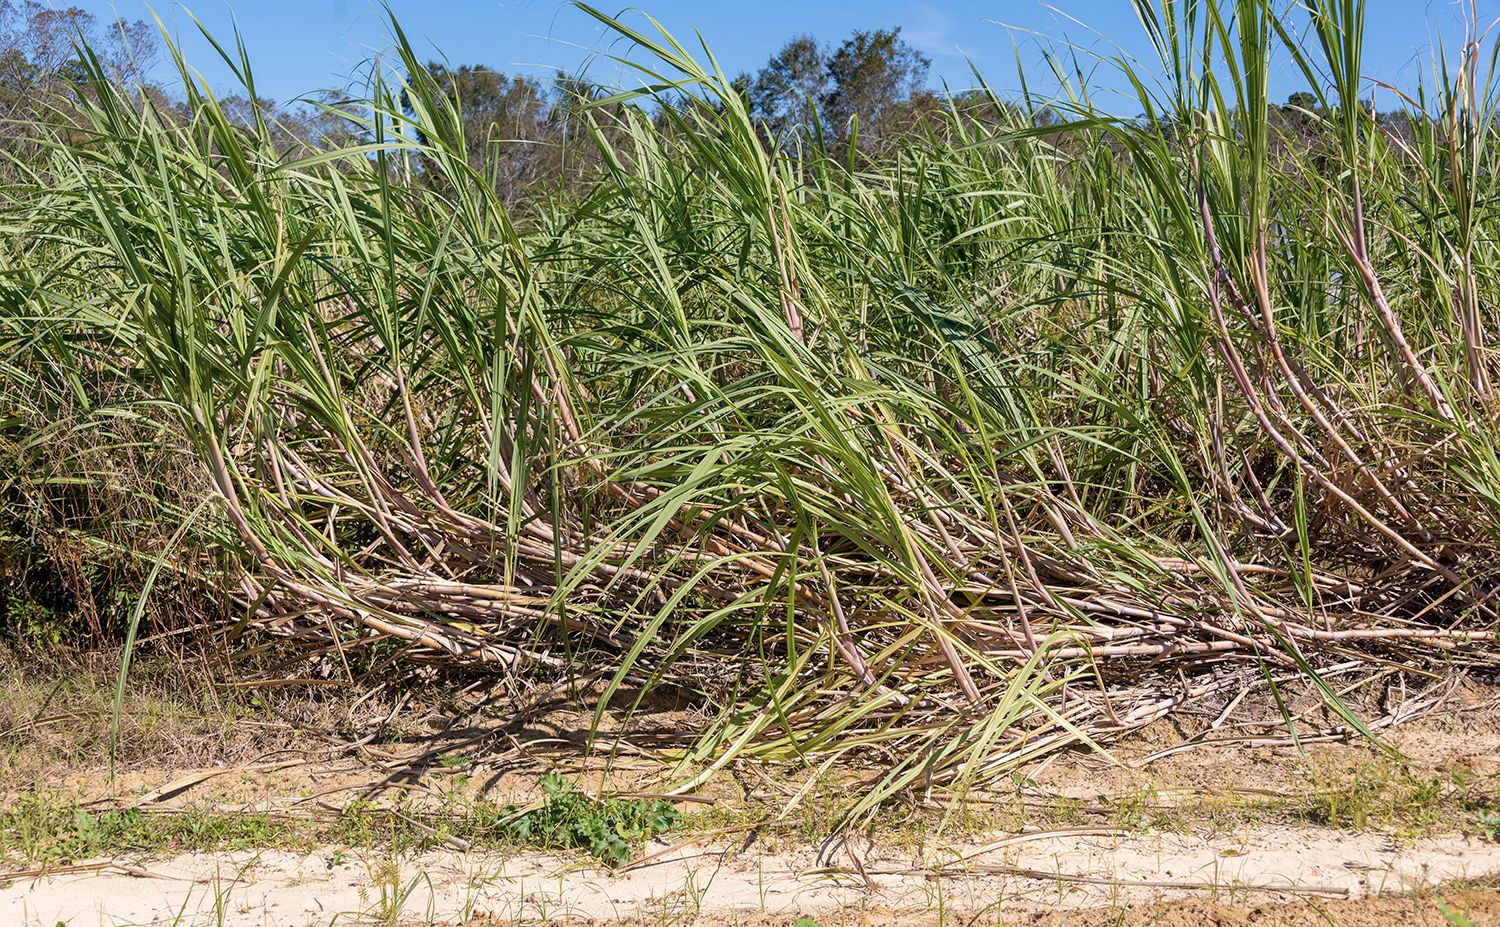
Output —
(786, 93)
(40, 68)
(506, 134)
(872, 75)
(39, 59)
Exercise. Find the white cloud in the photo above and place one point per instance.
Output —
(932, 31)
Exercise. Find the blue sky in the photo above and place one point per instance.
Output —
(298, 46)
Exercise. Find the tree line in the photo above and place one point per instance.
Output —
(863, 96)
(521, 131)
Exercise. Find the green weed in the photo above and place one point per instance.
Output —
(567, 819)
(1488, 822)
(1397, 799)
(44, 828)
(1456, 918)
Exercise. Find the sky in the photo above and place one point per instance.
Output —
(300, 46)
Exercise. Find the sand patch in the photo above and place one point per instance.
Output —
(724, 878)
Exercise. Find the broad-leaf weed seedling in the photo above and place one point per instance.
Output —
(567, 819)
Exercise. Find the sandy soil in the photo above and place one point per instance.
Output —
(1010, 880)
(1185, 865)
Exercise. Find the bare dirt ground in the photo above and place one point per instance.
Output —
(720, 881)
(1236, 830)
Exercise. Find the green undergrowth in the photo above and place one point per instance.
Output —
(608, 829)
(43, 829)
(567, 819)
(1404, 801)
(49, 828)
(46, 828)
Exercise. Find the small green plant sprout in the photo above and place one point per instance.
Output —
(567, 819)
(1489, 824)
(1456, 918)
